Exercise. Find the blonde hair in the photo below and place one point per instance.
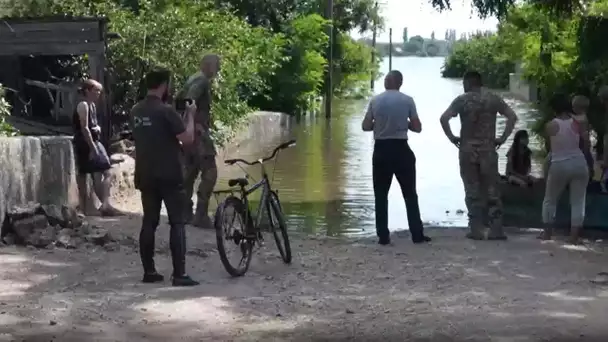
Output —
(580, 102)
(89, 84)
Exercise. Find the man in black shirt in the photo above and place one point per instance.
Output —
(159, 132)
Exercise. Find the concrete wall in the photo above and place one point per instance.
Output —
(261, 131)
(520, 87)
(39, 169)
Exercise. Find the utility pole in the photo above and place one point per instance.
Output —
(374, 32)
(329, 91)
(390, 49)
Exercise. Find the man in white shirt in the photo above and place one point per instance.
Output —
(390, 115)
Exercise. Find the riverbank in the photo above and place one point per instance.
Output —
(336, 289)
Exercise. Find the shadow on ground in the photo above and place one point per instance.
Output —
(336, 290)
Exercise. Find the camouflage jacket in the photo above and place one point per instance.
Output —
(198, 88)
(477, 112)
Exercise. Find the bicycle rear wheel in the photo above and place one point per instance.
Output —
(231, 222)
(278, 226)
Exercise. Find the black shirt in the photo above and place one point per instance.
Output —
(158, 153)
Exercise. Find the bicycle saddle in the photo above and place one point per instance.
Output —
(243, 182)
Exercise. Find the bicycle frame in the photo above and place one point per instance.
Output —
(265, 185)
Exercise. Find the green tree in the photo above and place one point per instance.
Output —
(175, 34)
(432, 50)
(5, 111)
(418, 40)
(300, 77)
(500, 8)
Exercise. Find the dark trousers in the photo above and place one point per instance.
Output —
(394, 157)
(174, 198)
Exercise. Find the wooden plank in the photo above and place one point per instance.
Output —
(53, 49)
(58, 36)
(6, 26)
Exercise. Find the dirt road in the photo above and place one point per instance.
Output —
(336, 290)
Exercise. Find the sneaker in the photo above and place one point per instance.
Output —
(153, 278)
(184, 280)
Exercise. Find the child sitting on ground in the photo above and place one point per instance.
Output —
(519, 160)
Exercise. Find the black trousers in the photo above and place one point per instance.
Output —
(394, 157)
(174, 197)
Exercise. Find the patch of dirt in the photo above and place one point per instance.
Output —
(336, 290)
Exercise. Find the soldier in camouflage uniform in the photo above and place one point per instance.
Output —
(477, 146)
(200, 157)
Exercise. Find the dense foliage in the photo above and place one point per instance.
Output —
(5, 109)
(484, 53)
(273, 54)
(500, 8)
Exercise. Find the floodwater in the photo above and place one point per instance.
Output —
(325, 181)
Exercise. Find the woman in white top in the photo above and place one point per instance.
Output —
(567, 168)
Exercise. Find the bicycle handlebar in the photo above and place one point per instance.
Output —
(283, 146)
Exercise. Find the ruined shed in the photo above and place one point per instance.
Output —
(55, 36)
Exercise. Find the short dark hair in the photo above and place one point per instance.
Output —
(560, 103)
(474, 77)
(397, 76)
(156, 78)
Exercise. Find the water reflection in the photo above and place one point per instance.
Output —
(325, 181)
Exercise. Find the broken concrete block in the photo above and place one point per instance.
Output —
(25, 227)
(40, 238)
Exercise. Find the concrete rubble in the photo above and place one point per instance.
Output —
(48, 226)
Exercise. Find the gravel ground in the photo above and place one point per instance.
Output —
(335, 290)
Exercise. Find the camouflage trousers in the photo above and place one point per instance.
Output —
(479, 172)
(203, 165)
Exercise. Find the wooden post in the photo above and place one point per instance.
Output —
(329, 91)
(390, 49)
(374, 32)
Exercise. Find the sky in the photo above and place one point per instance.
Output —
(421, 19)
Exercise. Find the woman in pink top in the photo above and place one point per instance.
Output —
(567, 168)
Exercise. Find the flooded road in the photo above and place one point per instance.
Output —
(325, 181)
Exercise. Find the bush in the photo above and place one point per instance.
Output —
(479, 53)
(5, 111)
(300, 77)
(354, 69)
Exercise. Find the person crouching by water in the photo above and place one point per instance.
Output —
(390, 115)
(567, 168)
(158, 131)
(519, 161)
(91, 155)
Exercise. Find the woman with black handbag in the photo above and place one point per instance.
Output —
(91, 155)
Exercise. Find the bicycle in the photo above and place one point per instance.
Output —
(252, 232)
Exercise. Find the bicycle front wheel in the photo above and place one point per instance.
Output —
(231, 222)
(278, 226)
